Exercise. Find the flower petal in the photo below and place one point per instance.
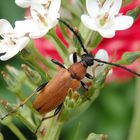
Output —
(37, 10)
(106, 33)
(10, 52)
(54, 8)
(92, 7)
(40, 1)
(32, 28)
(89, 22)
(5, 26)
(112, 6)
(22, 43)
(38, 33)
(102, 55)
(23, 3)
(23, 27)
(122, 22)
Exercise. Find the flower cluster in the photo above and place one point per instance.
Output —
(121, 43)
(43, 17)
(102, 17)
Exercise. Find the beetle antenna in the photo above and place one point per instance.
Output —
(100, 61)
(75, 33)
(117, 65)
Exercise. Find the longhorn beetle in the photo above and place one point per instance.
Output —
(53, 93)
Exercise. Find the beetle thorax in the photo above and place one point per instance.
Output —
(78, 70)
(87, 59)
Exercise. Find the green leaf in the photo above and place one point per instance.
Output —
(134, 13)
(93, 136)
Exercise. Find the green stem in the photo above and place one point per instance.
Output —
(87, 41)
(135, 126)
(16, 131)
(38, 67)
(59, 46)
(53, 129)
(54, 132)
(1, 136)
(96, 40)
(47, 63)
(26, 122)
(22, 97)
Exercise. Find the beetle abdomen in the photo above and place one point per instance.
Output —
(55, 91)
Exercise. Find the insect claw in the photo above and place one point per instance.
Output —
(84, 86)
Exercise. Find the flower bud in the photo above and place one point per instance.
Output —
(94, 136)
(32, 75)
(5, 108)
(134, 13)
(129, 57)
(14, 72)
(14, 79)
(28, 52)
(9, 80)
(73, 99)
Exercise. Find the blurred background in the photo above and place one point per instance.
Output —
(111, 113)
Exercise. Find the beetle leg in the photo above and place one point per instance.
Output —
(89, 76)
(57, 110)
(41, 86)
(58, 63)
(74, 56)
(84, 86)
(26, 100)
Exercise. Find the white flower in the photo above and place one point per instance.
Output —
(43, 18)
(28, 3)
(11, 42)
(105, 18)
(99, 67)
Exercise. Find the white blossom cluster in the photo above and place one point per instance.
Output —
(43, 17)
(102, 17)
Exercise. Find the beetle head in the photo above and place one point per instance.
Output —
(87, 59)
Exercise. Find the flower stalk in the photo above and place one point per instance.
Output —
(135, 126)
